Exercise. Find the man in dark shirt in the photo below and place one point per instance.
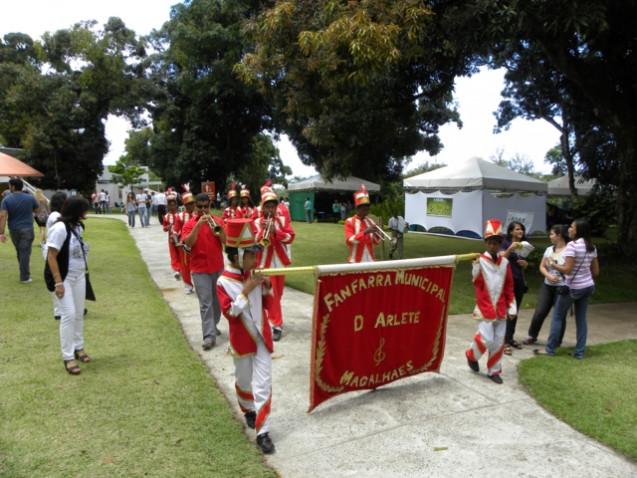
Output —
(18, 208)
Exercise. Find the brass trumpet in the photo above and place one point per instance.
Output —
(214, 227)
(265, 240)
(379, 230)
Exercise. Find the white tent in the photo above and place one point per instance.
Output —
(459, 198)
(559, 186)
(317, 183)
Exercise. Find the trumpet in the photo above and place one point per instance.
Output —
(265, 240)
(379, 230)
(214, 227)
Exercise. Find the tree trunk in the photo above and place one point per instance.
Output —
(567, 153)
(626, 193)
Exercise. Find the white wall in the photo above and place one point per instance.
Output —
(529, 205)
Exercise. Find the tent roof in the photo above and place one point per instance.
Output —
(317, 183)
(559, 186)
(10, 166)
(472, 174)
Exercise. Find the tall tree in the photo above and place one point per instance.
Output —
(204, 118)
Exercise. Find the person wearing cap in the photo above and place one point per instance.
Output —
(361, 234)
(244, 298)
(276, 235)
(171, 224)
(247, 210)
(495, 303)
(188, 200)
(204, 236)
(233, 210)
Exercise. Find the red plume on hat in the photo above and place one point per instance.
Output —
(361, 196)
(185, 187)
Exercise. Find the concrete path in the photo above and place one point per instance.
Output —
(455, 423)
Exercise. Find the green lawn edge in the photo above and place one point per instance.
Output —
(146, 406)
(595, 396)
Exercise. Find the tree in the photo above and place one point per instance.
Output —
(360, 86)
(593, 47)
(126, 172)
(204, 118)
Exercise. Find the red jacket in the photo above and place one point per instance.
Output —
(493, 283)
(357, 241)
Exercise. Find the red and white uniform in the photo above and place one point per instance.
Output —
(246, 211)
(182, 218)
(232, 213)
(251, 345)
(276, 255)
(169, 226)
(495, 300)
(361, 245)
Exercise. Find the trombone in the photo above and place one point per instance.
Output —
(265, 240)
(379, 230)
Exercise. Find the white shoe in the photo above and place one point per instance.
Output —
(189, 290)
(28, 281)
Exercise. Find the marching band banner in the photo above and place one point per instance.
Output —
(375, 323)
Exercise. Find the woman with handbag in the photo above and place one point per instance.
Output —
(65, 275)
(131, 209)
(553, 282)
(580, 268)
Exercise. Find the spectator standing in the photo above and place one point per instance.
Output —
(398, 228)
(149, 206)
(42, 216)
(580, 267)
(102, 199)
(553, 281)
(336, 209)
(206, 263)
(131, 208)
(57, 201)
(307, 206)
(66, 279)
(161, 200)
(142, 210)
(17, 209)
(107, 203)
(343, 210)
(95, 202)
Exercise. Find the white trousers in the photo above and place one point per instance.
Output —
(490, 336)
(253, 375)
(71, 309)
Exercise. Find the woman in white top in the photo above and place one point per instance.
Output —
(57, 201)
(65, 275)
(553, 280)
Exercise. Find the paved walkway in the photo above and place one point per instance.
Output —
(450, 424)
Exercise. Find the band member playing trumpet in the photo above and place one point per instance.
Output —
(361, 233)
(169, 223)
(204, 236)
(233, 210)
(275, 235)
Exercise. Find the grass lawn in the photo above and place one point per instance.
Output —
(146, 405)
(324, 243)
(586, 393)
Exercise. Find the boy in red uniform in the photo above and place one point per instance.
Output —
(233, 210)
(244, 299)
(495, 303)
(360, 233)
(188, 200)
(171, 226)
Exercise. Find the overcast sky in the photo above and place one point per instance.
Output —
(477, 97)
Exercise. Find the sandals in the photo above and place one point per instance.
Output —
(515, 344)
(82, 356)
(72, 367)
(508, 350)
(529, 341)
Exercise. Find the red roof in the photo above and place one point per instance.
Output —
(10, 166)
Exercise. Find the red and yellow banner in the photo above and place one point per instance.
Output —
(372, 327)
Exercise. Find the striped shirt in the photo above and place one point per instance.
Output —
(581, 276)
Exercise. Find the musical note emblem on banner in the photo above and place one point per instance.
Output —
(379, 353)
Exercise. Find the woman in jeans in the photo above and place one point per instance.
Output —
(553, 280)
(580, 268)
(131, 209)
(516, 233)
(66, 278)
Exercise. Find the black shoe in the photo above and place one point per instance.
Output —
(57, 317)
(208, 343)
(475, 366)
(85, 311)
(276, 334)
(266, 445)
(496, 379)
(251, 419)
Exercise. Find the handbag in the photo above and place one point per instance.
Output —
(565, 289)
(90, 293)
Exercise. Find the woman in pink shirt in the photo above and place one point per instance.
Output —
(580, 268)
